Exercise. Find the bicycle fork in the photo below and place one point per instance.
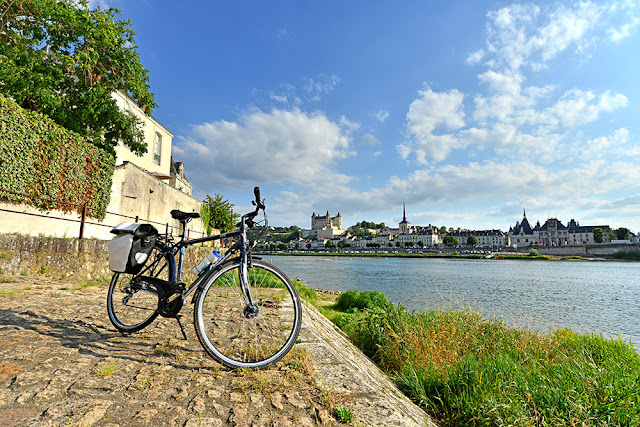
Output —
(251, 309)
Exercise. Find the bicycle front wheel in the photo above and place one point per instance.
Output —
(240, 335)
(132, 301)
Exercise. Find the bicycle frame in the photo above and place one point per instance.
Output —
(242, 245)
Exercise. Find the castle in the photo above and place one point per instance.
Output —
(324, 226)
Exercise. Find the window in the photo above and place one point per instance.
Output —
(157, 145)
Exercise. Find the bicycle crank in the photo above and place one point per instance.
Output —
(170, 304)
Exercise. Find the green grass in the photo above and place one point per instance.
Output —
(101, 281)
(105, 369)
(627, 255)
(466, 370)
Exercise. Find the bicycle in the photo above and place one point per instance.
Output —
(247, 313)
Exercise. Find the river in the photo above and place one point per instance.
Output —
(590, 296)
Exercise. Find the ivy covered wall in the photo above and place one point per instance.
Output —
(51, 164)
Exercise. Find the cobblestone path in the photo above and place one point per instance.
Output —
(62, 363)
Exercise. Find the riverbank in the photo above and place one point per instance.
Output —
(498, 256)
(62, 363)
(466, 370)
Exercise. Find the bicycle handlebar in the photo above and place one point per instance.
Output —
(258, 203)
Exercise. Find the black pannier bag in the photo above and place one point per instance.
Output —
(129, 250)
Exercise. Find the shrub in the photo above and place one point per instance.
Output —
(355, 300)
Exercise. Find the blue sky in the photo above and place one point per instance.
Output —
(466, 111)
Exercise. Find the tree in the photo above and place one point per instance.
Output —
(330, 245)
(398, 244)
(610, 233)
(450, 241)
(420, 243)
(344, 244)
(598, 235)
(408, 244)
(472, 240)
(217, 213)
(442, 230)
(65, 61)
(623, 233)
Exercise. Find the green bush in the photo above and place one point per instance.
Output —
(53, 166)
(352, 301)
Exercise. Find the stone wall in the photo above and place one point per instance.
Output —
(595, 250)
(69, 258)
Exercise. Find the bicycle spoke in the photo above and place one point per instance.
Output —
(248, 336)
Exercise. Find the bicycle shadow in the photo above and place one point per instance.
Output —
(88, 339)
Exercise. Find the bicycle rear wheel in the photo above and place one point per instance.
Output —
(132, 301)
(239, 336)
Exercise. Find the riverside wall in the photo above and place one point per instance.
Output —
(595, 250)
(68, 258)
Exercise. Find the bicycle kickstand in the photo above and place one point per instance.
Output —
(184, 334)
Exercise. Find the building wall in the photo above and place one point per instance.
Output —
(151, 127)
(134, 192)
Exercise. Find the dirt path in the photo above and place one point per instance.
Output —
(62, 363)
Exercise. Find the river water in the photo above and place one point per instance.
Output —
(601, 297)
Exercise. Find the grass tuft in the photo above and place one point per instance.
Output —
(105, 369)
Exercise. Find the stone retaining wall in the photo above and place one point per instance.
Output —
(68, 258)
(595, 250)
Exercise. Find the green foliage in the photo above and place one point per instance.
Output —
(277, 234)
(472, 240)
(63, 60)
(51, 164)
(330, 245)
(344, 415)
(450, 241)
(610, 233)
(218, 213)
(361, 229)
(466, 370)
(598, 235)
(627, 255)
(533, 252)
(344, 244)
(357, 300)
(623, 233)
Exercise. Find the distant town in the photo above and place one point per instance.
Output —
(326, 233)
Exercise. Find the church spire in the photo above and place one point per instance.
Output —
(404, 213)
(524, 212)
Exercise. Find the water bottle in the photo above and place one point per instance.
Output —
(210, 259)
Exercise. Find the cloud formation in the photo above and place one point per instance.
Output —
(507, 114)
(266, 147)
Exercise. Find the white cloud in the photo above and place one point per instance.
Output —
(322, 85)
(266, 147)
(370, 140)
(475, 57)
(430, 112)
(381, 115)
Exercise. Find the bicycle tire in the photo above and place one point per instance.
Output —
(132, 302)
(236, 339)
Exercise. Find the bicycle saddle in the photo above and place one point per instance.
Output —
(181, 216)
